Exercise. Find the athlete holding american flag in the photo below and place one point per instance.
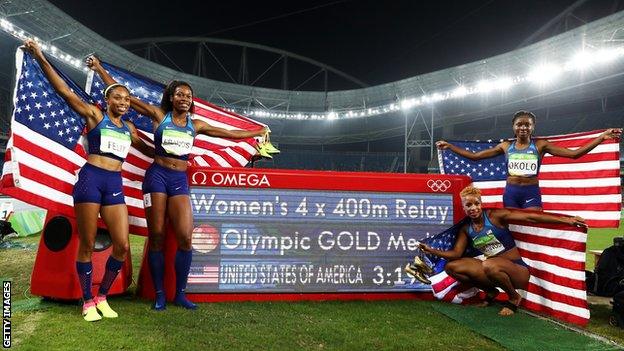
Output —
(165, 187)
(524, 156)
(488, 232)
(98, 189)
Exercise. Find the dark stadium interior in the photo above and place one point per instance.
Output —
(578, 102)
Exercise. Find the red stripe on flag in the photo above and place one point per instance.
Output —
(45, 179)
(574, 143)
(549, 241)
(597, 157)
(562, 315)
(571, 174)
(43, 154)
(137, 161)
(226, 156)
(602, 223)
(204, 144)
(599, 190)
(39, 200)
(557, 279)
(561, 206)
(556, 296)
(554, 260)
(443, 284)
(234, 116)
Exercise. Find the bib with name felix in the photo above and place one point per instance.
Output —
(108, 140)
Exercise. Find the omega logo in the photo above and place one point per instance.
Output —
(199, 178)
(231, 179)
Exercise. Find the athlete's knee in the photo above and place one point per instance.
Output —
(184, 242)
(85, 248)
(452, 268)
(156, 240)
(491, 268)
(120, 250)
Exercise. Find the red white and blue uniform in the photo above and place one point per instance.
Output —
(98, 185)
(522, 163)
(491, 240)
(172, 141)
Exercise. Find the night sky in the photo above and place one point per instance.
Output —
(374, 41)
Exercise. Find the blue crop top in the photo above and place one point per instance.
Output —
(491, 240)
(523, 163)
(108, 140)
(173, 141)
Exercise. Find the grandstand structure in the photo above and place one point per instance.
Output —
(387, 127)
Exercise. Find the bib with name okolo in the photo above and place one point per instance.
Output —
(524, 165)
(114, 142)
(177, 142)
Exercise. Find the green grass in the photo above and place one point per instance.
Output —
(334, 325)
(599, 324)
(16, 265)
(260, 326)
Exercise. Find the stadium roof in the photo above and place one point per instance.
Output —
(51, 25)
(442, 95)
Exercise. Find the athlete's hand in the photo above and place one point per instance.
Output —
(577, 222)
(32, 47)
(612, 133)
(424, 248)
(441, 144)
(93, 62)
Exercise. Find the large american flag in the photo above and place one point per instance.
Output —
(44, 153)
(589, 187)
(555, 254)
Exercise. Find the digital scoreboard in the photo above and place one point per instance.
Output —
(291, 232)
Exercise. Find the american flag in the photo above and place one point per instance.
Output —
(208, 274)
(555, 254)
(207, 151)
(589, 187)
(43, 153)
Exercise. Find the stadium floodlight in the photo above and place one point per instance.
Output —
(438, 97)
(6, 24)
(541, 74)
(459, 92)
(608, 55)
(21, 35)
(503, 83)
(408, 103)
(544, 73)
(580, 61)
(485, 86)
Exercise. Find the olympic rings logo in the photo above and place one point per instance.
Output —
(439, 185)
